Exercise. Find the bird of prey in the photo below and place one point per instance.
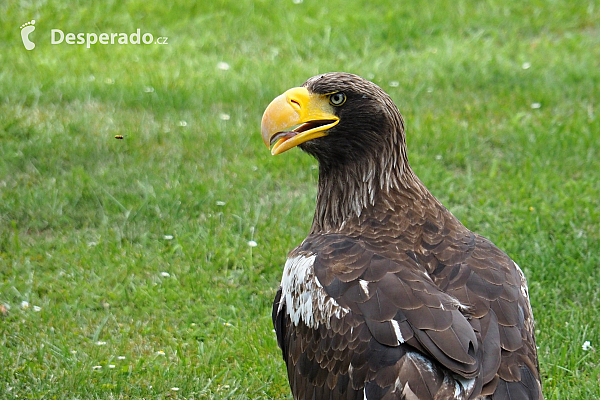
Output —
(389, 296)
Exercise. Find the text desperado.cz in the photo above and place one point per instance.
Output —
(57, 36)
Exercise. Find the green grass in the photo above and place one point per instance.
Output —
(83, 217)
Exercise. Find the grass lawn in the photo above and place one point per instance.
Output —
(126, 266)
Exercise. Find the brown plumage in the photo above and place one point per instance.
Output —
(390, 296)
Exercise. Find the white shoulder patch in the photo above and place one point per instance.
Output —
(304, 297)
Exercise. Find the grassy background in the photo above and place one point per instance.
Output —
(85, 218)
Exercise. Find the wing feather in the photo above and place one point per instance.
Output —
(453, 312)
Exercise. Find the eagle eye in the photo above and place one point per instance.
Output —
(337, 99)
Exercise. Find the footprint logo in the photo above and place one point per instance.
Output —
(26, 29)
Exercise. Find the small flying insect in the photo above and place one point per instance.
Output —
(119, 136)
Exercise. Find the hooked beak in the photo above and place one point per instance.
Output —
(295, 117)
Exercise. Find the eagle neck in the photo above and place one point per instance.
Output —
(352, 191)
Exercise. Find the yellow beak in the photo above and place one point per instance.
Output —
(295, 117)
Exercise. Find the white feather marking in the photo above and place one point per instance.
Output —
(398, 385)
(397, 331)
(364, 285)
(524, 288)
(529, 325)
(304, 297)
(463, 387)
(365, 392)
(421, 360)
(456, 303)
(457, 389)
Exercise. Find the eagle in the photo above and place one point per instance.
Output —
(390, 296)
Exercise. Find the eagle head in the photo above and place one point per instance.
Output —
(339, 118)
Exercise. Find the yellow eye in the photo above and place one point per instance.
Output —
(337, 99)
